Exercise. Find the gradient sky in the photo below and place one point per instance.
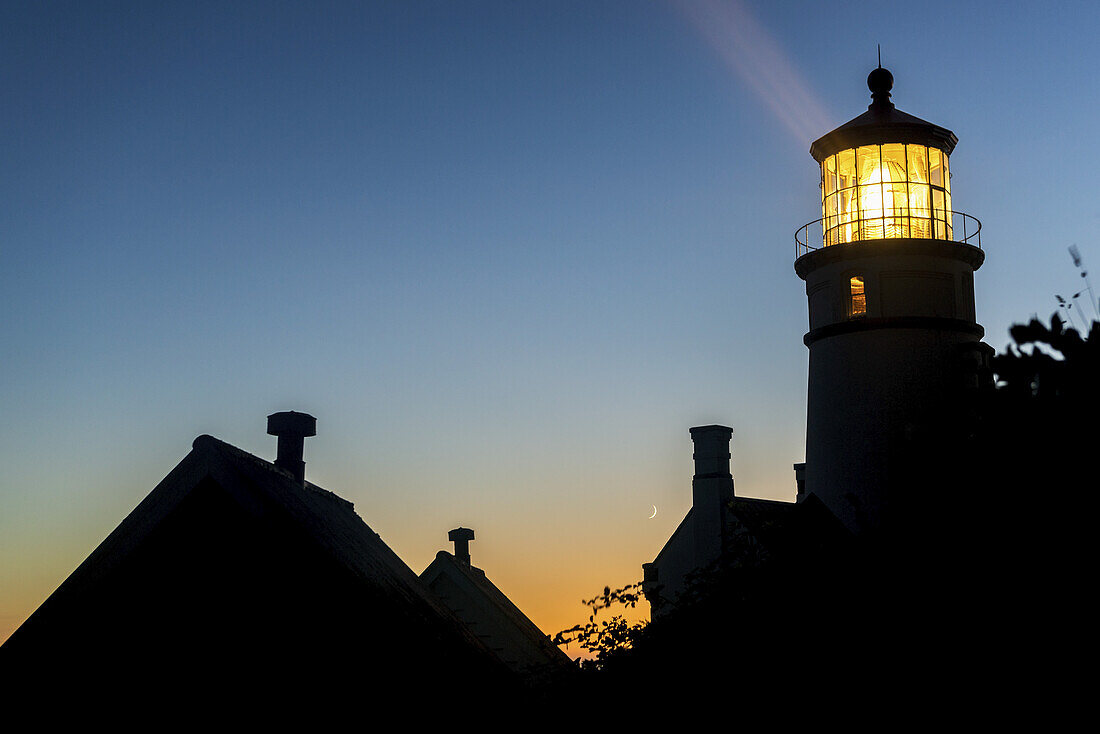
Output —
(506, 253)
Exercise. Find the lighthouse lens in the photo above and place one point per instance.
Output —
(886, 191)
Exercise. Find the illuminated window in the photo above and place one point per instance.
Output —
(886, 191)
(857, 297)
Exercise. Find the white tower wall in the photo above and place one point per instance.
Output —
(884, 381)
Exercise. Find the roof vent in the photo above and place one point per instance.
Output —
(461, 538)
(292, 428)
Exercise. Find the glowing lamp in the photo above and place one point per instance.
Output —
(885, 174)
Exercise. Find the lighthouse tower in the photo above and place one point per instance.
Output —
(894, 342)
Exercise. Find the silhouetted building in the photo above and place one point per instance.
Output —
(490, 615)
(699, 540)
(722, 528)
(234, 575)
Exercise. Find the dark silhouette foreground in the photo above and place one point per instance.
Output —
(237, 582)
(237, 586)
(978, 590)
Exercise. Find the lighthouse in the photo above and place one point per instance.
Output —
(894, 343)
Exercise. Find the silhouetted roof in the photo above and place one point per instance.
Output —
(231, 562)
(775, 521)
(447, 564)
(788, 526)
(684, 526)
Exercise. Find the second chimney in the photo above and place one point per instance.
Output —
(461, 538)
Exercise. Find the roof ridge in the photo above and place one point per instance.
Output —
(206, 442)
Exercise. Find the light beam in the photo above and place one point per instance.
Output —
(750, 51)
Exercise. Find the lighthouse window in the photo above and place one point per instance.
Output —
(895, 199)
(920, 207)
(937, 167)
(857, 298)
(886, 191)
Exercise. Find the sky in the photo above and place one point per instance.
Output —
(506, 253)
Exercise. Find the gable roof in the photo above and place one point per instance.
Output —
(683, 528)
(506, 613)
(304, 577)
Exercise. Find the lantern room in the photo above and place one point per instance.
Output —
(885, 175)
(886, 191)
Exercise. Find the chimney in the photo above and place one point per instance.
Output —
(711, 490)
(292, 428)
(462, 538)
(712, 450)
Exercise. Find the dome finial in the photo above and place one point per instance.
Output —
(880, 81)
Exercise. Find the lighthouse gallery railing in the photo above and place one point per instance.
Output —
(887, 227)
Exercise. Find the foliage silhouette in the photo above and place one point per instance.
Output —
(605, 637)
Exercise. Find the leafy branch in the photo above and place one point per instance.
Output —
(606, 637)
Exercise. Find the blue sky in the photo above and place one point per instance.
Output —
(507, 253)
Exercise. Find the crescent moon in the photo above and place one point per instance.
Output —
(654, 512)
